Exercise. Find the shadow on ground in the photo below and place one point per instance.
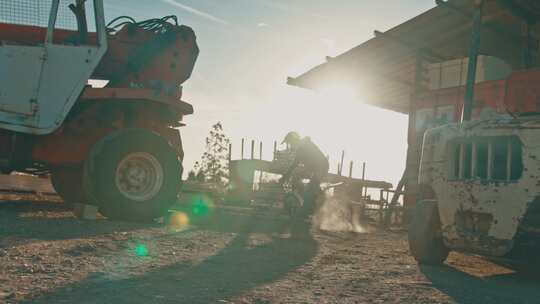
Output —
(237, 268)
(24, 221)
(464, 288)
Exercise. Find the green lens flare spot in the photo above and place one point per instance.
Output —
(141, 250)
(200, 207)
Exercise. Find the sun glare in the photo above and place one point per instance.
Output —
(337, 119)
(339, 93)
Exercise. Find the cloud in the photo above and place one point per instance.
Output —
(196, 12)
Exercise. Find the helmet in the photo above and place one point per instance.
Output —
(292, 138)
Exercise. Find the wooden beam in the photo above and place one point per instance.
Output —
(495, 29)
(518, 11)
(408, 45)
(268, 166)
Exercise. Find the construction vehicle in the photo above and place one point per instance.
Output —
(97, 106)
(479, 189)
(478, 181)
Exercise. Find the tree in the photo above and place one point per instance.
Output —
(196, 174)
(214, 161)
(191, 176)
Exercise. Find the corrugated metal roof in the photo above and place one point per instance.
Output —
(385, 65)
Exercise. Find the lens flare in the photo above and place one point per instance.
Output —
(141, 250)
(178, 220)
(201, 206)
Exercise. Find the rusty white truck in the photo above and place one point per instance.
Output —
(479, 189)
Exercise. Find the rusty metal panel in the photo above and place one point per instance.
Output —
(483, 214)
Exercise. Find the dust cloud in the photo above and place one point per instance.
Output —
(338, 215)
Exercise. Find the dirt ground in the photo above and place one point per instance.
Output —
(48, 256)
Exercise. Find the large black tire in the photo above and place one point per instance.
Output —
(132, 175)
(425, 239)
(67, 182)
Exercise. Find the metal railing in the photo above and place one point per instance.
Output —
(488, 159)
(36, 13)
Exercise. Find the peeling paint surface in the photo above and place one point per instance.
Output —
(478, 214)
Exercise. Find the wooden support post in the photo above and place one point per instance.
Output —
(364, 171)
(242, 153)
(474, 51)
(252, 149)
(414, 142)
(260, 150)
(399, 188)
(508, 160)
(351, 164)
(340, 167)
(490, 161)
(364, 189)
(474, 160)
(527, 59)
(230, 155)
(275, 149)
(461, 164)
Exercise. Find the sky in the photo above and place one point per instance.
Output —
(248, 48)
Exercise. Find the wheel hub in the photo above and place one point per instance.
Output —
(139, 176)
